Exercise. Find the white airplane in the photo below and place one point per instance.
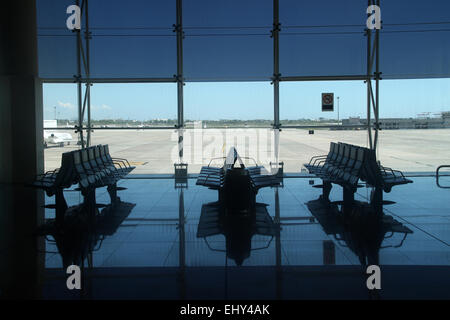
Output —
(59, 138)
(55, 137)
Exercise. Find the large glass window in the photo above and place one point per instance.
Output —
(133, 119)
(126, 41)
(301, 102)
(60, 116)
(415, 123)
(301, 107)
(413, 115)
(221, 115)
(227, 40)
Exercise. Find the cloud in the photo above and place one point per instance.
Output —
(102, 107)
(67, 105)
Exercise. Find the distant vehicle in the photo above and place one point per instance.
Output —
(55, 137)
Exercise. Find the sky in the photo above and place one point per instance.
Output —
(247, 100)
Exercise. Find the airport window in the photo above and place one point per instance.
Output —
(414, 123)
(307, 130)
(60, 116)
(124, 116)
(134, 120)
(219, 115)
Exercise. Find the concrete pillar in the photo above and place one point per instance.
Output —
(21, 151)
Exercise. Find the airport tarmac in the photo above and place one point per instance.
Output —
(155, 151)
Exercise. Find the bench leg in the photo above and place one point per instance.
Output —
(348, 199)
(112, 190)
(221, 195)
(252, 203)
(90, 202)
(376, 200)
(326, 189)
(61, 206)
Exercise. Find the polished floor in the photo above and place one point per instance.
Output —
(163, 242)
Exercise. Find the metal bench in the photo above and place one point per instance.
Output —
(237, 185)
(341, 166)
(383, 179)
(90, 168)
(214, 177)
(317, 162)
(346, 165)
(54, 182)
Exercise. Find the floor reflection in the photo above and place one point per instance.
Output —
(360, 229)
(237, 227)
(183, 241)
(81, 234)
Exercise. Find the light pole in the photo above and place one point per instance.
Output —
(338, 110)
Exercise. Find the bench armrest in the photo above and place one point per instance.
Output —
(209, 164)
(48, 173)
(384, 169)
(121, 160)
(256, 164)
(120, 164)
(316, 158)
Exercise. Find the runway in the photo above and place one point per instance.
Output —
(155, 151)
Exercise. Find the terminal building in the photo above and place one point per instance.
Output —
(166, 149)
(441, 122)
